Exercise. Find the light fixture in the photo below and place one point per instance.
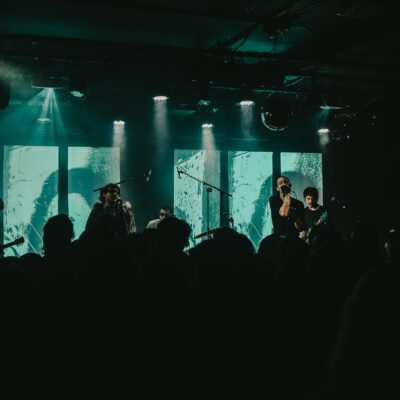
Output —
(207, 125)
(323, 131)
(119, 122)
(160, 98)
(246, 97)
(203, 95)
(78, 88)
(276, 114)
(330, 107)
(247, 103)
(44, 120)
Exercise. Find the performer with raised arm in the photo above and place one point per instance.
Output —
(118, 212)
(287, 213)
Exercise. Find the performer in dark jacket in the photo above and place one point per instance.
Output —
(119, 213)
(287, 213)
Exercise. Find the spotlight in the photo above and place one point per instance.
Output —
(246, 97)
(5, 93)
(44, 120)
(247, 103)
(119, 122)
(203, 95)
(204, 103)
(276, 114)
(324, 136)
(77, 88)
(331, 107)
(207, 126)
(160, 98)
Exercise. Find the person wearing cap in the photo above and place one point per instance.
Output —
(111, 209)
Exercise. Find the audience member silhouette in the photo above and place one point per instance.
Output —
(321, 318)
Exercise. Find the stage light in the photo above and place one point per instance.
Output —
(44, 120)
(246, 97)
(323, 130)
(247, 103)
(203, 95)
(207, 137)
(204, 103)
(160, 98)
(119, 122)
(276, 114)
(331, 107)
(77, 88)
(5, 93)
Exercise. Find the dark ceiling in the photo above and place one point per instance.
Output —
(353, 44)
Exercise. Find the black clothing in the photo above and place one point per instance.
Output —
(116, 217)
(312, 217)
(285, 226)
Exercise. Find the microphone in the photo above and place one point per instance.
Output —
(148, 176)
(285, 189)
(178, 171)
(120, 202)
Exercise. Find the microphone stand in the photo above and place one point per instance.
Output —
(132, 178)
(209, 190)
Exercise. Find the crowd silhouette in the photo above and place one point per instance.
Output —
(289, 320)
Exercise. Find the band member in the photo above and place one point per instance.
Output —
(165, 212)
(287, 213)
(111, 207)
(1, 204)
(315, 214)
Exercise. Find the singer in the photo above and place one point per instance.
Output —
(111, 209)
(287, 213)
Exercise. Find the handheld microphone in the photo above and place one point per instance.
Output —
(285, 189)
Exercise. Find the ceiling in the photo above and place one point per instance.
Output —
(353, 44)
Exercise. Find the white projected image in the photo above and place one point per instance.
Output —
(250, 183)
(190, 196)
(30, 194)
(303, 170)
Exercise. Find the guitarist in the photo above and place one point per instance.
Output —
(287, 213)
(315, 214)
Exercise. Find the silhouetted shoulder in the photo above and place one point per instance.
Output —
(275, 200)
(296, 203)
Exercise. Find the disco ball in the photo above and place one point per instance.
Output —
(276, 114)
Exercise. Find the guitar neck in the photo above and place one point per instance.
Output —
(16, 242)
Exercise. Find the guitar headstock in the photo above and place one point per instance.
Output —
(19, 241)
